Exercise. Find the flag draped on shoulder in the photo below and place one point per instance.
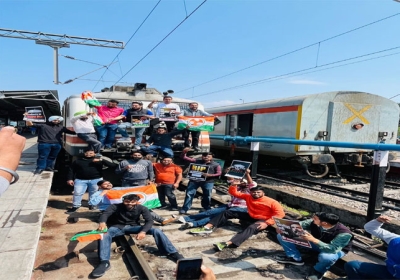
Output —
(89, 99)
(148, 195)
(196, 123)
(89, 236)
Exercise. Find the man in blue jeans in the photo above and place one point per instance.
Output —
(326, 236)
(214, 171)
(364, 270)
(160, 142)
(125, 220)
(49, 142)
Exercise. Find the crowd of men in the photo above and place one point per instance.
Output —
(250, 204)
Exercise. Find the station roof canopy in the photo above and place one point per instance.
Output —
(15, 101)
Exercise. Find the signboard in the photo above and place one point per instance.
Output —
(291, 231)
(34, 114)
(140, 121)
(196, 172)
(238, 169)
(167, 114)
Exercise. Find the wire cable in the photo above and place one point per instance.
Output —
(134, 33)
(294, 73)
(73, 58)
(291, 52)
(176, 27)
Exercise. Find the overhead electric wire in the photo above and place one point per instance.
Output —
(288, 53)
(176, 27)
(73, 58)
(294, 73)
(134, 33)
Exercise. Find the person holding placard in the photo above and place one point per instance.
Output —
(167, 111)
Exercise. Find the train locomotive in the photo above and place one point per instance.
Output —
(343, 116)
(75, 146)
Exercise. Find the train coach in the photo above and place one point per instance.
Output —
(343, 116)
(75, 146)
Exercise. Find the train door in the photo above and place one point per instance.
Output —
(239, 125)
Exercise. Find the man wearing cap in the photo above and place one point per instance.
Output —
(193, 111)
(49, 142)
(83, 125)
(110, 114)
(167, 103)
(135, 113)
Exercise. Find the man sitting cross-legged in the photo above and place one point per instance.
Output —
(124, 219)
(260, 209)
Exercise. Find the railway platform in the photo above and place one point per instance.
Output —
(22, 209)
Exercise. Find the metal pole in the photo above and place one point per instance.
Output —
(55, 63)
(377, 184)
(254, 148)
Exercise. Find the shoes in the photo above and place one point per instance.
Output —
(50, 169)
(173, 209)
(196, 150)
(98, 155)
(167, 221)
(220, 246)
(38, 171)
(182, 212)
(182, 220)
(314, 275)
(176, 256)
(92, 207)
(137, 147)
(202, 230)
(72, 210)
(102, 148)
(289, 260)
(107, 147)
(101, 269)
(187, 225)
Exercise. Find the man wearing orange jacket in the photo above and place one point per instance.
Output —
(260, 210)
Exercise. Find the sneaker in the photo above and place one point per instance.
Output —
(163, 207)
(220, 246)
(72, 210)
(137, 147)
(173, 209)
(182, 220)
(92, 207)
(101, 269)
(167, 221)
(38, 171)
(187, 225)
(289, 260)
(202, 230)
(176, 256)
(314, 275)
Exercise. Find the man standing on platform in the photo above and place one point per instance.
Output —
(135, 171)
(193, 111)
(168, 177)
(135, 113)
(84, 129)
(175, 110)
(214, 171)
(125, 220)
(110, 114)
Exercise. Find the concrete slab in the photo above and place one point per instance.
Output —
(21, 238)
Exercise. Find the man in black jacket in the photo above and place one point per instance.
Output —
(83, 174)
(124, 219)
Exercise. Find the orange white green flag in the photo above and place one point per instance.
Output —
(89, 99)
(148, 195)
(196, 123)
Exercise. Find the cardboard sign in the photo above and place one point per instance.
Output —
(238, 169)
(196, 172)
(167, 114)
(140, 121)
(292, 232)
(34, 114)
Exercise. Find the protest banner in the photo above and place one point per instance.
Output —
(238, 169)
(167, 114)
(148, 195)
(34, 114)
(291, 231)
(196, 123)
(196, 172)
(140, 121)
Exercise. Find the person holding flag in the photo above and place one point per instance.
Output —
(83, 126)
(193, 111)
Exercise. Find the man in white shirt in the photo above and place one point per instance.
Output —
(168, 117)
(83, 125)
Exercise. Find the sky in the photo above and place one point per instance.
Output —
(226, 52)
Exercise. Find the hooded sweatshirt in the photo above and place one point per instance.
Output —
(142, 169)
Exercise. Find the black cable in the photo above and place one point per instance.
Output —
(283, 76)
(176, 27)
(288, 53)
(137, 29)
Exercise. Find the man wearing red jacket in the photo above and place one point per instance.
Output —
(260, 210)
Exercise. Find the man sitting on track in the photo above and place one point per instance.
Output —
(125, 220)
(260, 209)
(364, 270)
(327, 236)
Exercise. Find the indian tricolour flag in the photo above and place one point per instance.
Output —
(148, 195)
(89, 99)
(196, 123)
